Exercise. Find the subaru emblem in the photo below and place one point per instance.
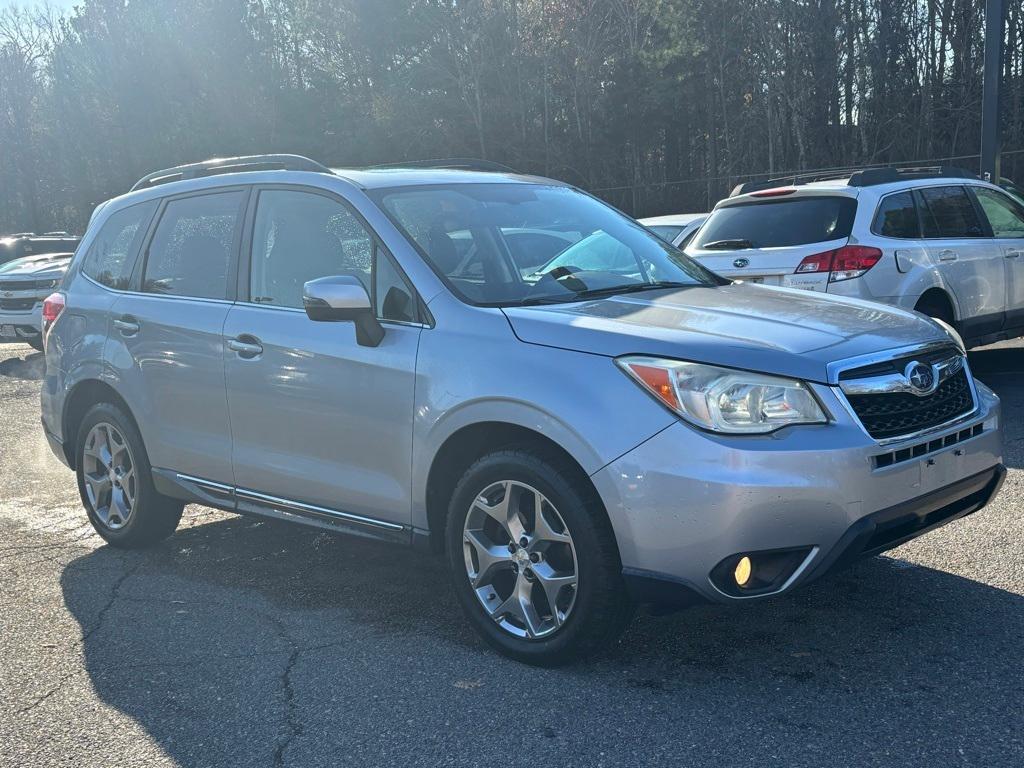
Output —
(740, 263)
(921, 377)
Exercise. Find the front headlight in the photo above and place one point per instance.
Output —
(723, 399)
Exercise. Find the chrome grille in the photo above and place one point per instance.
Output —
(930, 391)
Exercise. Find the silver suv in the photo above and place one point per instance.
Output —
(361, 352)
(940, 241)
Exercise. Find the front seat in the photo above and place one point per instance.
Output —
(299, 256)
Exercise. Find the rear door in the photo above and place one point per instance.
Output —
(166, 336)
(1005, 218)
(320, 424)
(970, 262)
(765, 240)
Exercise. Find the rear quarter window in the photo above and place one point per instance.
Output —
(111, 256)
(897, 217)
(780, 223)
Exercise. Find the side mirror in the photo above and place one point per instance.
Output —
(342, 298)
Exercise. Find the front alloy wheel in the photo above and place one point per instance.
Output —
(520, 559)
(533, 557)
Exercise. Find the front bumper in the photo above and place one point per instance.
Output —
(21, 324)
(685, 502)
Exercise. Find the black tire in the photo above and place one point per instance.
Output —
(601, 609)
(36, 342)
(153, 516)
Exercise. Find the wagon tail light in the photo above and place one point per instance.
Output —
(842, 263)
(53, 305)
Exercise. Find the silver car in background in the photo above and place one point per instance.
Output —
(24, 285)
(360, 351)
(940, 241)
(676, 228)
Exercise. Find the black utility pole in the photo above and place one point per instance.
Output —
(991, 136)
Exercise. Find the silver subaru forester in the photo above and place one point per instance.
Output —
(508, 371)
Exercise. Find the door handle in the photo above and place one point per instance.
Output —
(1013, 254)
(127, 325)
(947, 255)
(247, 347)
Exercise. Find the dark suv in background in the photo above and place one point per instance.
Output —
(22, 244)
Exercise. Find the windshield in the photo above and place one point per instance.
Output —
(507, 244)
(777, 224)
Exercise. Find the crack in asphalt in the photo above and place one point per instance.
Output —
(90, 533)
(100, 617)
(292, 723)
(291, 711)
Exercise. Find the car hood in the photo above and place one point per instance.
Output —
(772, 330)
(36, 266)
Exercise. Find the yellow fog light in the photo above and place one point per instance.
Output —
(742, 572)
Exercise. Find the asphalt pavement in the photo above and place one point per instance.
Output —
(239, 642)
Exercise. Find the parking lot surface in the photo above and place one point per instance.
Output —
(250, 643)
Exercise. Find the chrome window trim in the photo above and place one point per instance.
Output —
(148, 295)
(300, 311)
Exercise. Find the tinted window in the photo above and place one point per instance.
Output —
(463, 230)
(111, 256)
(775, 224)
(299, 237)
(949, 212)
(897, 217)
(1004, 214)
(191, 249)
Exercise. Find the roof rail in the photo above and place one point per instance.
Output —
(791, 180)
(867, 177)
(230, 165)
(873, 176)
(451, 163)
(58, 233)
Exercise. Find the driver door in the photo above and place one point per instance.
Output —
(317, 419)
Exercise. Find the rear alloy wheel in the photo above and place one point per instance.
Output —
(533, 558)
(115, 481)
(109, 471)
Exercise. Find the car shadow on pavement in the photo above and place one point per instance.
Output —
(32, 367)
(238, 640)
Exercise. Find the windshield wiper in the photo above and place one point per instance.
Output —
(632, 288)
(727, 245)
(594, 293)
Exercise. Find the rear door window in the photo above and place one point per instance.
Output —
(947, 212)
(190, 254)
(1005, 215)
(897, 217)
(111, 256)
(778, 224)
